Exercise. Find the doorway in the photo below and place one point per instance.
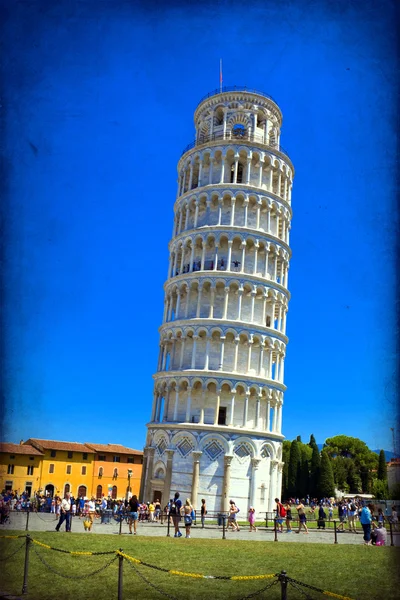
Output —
(49, 490)
(157, 496)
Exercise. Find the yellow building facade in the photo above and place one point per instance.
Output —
(60, 467)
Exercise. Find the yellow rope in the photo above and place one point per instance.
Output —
(135, 560)
(42, 545)
(247, 577)
(182, 574)
(337, 596)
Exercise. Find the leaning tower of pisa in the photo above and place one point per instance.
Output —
(216, 423)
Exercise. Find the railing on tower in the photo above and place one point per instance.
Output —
(231, 135)
(237, 88)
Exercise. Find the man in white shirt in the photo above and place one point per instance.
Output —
(65, 513)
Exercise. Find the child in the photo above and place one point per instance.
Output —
(251, 518)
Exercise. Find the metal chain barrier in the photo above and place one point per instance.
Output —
(295, 583)
(254, 594)
(13, 554)
(150, 583)
(298, 588)
(74, 552)
(87, 576)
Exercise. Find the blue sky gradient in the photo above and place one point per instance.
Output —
(97, 109)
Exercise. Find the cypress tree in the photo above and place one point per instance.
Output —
(304, 483)
(326, 485)
(312, 441)
(299, 438)
(294, 461)
(315, 469)
(382, 468)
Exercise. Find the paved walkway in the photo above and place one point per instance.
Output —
(47, 522)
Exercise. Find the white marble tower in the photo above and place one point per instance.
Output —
(216, 424)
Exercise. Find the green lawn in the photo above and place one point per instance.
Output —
(359, 572)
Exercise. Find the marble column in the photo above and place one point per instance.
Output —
(149, 474)
(143, 476)
(168, 476)
(226, 483)
(195, 477)
(253, 484)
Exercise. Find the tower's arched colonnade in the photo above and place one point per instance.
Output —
(215, 430)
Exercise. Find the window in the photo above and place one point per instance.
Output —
(83, 470)
(131, 460)
(12, 456)
(116, 459)
(101, 472)
(84, 456)
(31, 458)
(114, 492)
(51, 468)
(101, 457)
(10, 470)
(222, 416)
(115, 472)
(268, 323)
(70, 454)
(99, 491)
(53, 453)
(69, 469)
(67, 488)
(30, 470)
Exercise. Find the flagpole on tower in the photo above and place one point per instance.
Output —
(220, 75)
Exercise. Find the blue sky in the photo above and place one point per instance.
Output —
(98, 107)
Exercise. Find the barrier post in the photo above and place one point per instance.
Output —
(27, 521)
(26, 565)
(283, 579)
(120, 574)
(391, 533)
(335, 532)
(266, 520)
(168, 525)
(275, 531)
(223, 527)
(120, 525)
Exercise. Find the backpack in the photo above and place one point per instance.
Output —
(353, 506)
(172, 510)
(237, 509)
(282, 511)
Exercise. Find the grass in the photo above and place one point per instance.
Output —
(357, 572)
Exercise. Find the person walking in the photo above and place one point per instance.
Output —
(280, 514)
(351, 516)
(366, 520)
(188, 519)
(175, 512)
(203, 512)
(289, 517)
(252, 518)
(133, 507)
(65, 509)
(302, 517)
(233, 511)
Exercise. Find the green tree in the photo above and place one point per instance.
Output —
(299, 438)
(294, 461)
(326, 485)
(312, 440)
(357, 452)
(304, 479)
(380, 489)
(314, 469)
(285, 458)
(382, 468)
